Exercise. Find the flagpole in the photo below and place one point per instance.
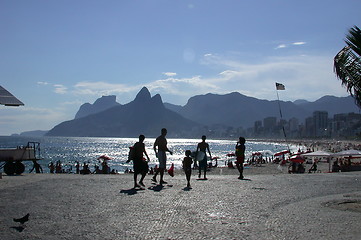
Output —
(279, 105)
(280, 86)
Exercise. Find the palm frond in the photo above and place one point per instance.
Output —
(347, 66)
(353, 39)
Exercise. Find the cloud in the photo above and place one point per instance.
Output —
(42, 83)
(169, 74)
(60, 89)
(16, 120)
(299, 43)
(284, 45)
(100, 88)
(308, 77)
(281, 46)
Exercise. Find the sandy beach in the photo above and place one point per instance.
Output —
(268, 204)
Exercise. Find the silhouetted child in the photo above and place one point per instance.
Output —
(187, 167)
(240, 149)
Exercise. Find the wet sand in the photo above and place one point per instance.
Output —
(266, 205)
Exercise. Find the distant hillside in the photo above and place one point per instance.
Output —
(145, 115)
(101, 104)
(36, 133)
(235, 109)
(333, 105)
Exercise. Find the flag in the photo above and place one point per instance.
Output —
(280, 86)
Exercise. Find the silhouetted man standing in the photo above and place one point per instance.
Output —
(161, 144)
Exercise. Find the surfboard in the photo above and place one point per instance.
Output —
(200, 156)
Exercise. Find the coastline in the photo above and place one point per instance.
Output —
(331, 145)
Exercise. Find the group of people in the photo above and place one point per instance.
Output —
(343, 166)
(140, 164)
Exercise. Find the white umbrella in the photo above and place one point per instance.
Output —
(351, 152)
(317, 154)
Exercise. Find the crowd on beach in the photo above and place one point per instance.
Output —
(192, 160)
(198, 160)
(84, 169)
(140, 164)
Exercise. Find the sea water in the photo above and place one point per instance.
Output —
(69, 150)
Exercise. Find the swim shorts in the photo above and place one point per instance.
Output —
(162, 158)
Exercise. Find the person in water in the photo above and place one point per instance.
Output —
(240, 149)
(140, 166)
(160, 149)
(203, 147)
(187, 167)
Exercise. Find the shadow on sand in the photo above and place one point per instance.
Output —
(158, 188)
(202, 179)
(19, 228)
(245, 179)
(187, 189)
(131, 191)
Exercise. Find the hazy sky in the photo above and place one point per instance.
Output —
(57, 55)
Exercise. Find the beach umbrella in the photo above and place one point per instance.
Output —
(7, 99)
(297, 159)
(317, 154)
(256, 154)
(351, 152)
(104, 157)
(281, 153)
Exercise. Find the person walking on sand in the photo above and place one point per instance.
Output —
(203, 147)
(140, 166)
(160, 149)
(187, 167)
(37, 167)
(240, 149)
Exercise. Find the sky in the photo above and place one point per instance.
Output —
(57, 55)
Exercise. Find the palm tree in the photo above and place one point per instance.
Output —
(347, 64)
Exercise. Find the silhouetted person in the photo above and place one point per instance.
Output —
(336, 167)
(51, 167)
(37, 167)
(313, 167)
(187, 167)
(160, 149)
(77, 166)
(240, 150)
(140, 166)
(203, 147)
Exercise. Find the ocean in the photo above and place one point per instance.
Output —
(69, 150)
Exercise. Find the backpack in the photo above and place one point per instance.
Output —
(131, 154)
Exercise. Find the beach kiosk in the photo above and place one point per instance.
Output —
(11, 158)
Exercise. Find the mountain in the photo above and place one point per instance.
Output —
(147, 115)
(36, 133)
(333, 105)
(101, 104)
(144, 115)
(173, 107)
(300, 101)
(235, 109)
